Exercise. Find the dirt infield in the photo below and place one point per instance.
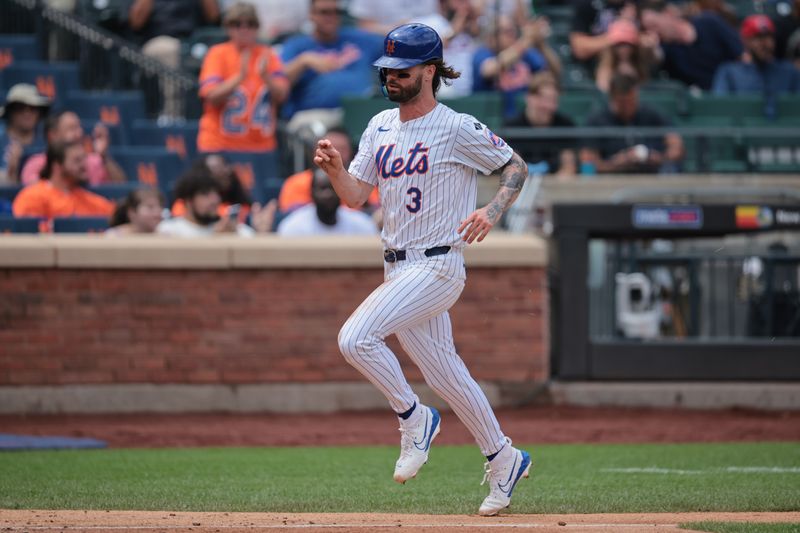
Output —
(129, 521)
(545, 424)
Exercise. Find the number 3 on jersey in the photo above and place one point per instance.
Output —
(415, 200)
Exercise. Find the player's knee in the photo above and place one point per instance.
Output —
(354, 345)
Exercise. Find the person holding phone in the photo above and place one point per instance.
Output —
(201, 195)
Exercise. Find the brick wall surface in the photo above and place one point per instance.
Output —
(61, 326)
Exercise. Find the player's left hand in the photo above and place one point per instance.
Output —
(476, 226)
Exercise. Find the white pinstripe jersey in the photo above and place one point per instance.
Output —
(426, 172)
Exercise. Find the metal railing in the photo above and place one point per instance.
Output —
(106, 60)
(753, 148)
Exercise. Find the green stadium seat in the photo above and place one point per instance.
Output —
(707, 121)
(579, 105)
(485, 106)
(358, 112)
(789, 106)
(730, 106)
(731, 166)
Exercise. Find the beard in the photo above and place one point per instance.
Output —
(405, 94)
(206, 220)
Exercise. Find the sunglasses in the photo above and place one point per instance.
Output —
(398, 75)
(243, 24)
(326, 12)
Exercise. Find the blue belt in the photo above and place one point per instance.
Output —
(391, 256)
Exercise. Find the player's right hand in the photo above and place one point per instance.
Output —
(328, 158)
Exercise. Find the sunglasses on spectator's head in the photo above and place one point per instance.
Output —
(327, 12)
(249, 23)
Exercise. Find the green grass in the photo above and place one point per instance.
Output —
(742, 527)
(565, 479)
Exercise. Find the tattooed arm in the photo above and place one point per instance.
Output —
(481, 221)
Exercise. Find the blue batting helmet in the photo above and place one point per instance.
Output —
(409, 45)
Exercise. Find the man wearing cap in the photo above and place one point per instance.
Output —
(23, 110)
(759, 72)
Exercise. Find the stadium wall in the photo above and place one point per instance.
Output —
(89, 324)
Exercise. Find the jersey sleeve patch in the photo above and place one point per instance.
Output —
(493, 138)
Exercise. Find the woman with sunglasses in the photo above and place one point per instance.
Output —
(241, 83)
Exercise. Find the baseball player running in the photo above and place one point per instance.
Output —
(424, 158)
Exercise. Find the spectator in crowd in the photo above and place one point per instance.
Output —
(516, 9)
(23, 110)
(720, 7)
(60, 192)
(326, 216)
(296, 189)
(231, 190)
(200, 193)
(692, 49)
(621, 154)
(65, 127)
(787, 25)
(279, 18)
(381, 16)
(759, 72)
(241, 84)
(629, 52)
(461, 42)
(511, 58)
(140, 212)
(541, 111)
(588, 35)
(329, 63)
(159, 27)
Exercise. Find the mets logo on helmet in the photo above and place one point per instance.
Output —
(389, 47)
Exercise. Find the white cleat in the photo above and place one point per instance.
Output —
(415, 442)
(502, 473)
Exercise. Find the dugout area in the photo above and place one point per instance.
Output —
(676, 291)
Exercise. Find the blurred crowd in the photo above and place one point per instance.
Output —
(293, 61)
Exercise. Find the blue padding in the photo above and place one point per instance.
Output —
(9, 442)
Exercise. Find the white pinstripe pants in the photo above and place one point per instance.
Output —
(412, 303)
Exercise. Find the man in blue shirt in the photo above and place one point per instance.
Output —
(328, 64)
(761, 73)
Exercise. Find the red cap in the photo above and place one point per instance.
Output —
(757, 25)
